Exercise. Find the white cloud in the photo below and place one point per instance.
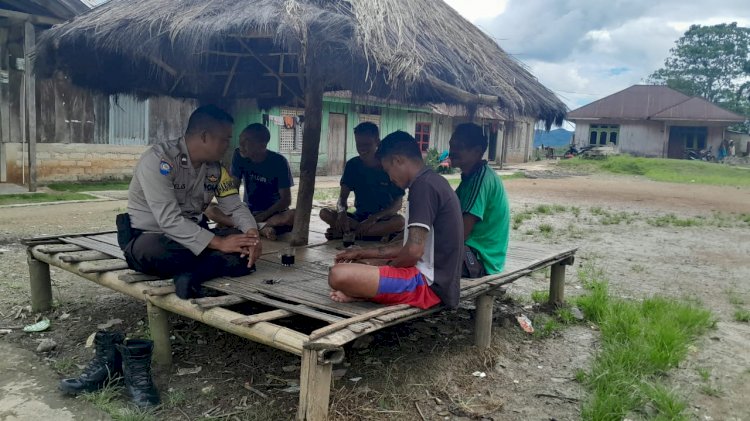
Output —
(586, 49)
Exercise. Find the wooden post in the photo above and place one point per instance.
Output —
(40, 284)
(158, 324)
(315, 388)
(29, 43)
(557, 284)
(483, 322)
(310, 146)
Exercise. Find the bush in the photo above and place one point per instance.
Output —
(432, 162)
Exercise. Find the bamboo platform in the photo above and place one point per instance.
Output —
(299, 290)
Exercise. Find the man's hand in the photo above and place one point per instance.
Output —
(350, 255)
(235, 243)
(253, 253)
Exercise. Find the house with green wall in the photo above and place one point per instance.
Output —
(431, 125)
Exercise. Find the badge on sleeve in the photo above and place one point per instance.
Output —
(165, 167)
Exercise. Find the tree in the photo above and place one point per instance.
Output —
(712, 62)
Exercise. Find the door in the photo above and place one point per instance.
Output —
(490, 130)
(682, 139)
(336, 143)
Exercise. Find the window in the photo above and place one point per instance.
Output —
(372, 118)
(290, 140)
(422, 134)
(601, 134)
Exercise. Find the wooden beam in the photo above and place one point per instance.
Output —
(315, 388)
(267, 67)
(28, 48)
(483, 321)
(230, 77)
(158, 325)
(41, 20)
(557, 284)
(310, 147)
(40, 284)
(460, 94)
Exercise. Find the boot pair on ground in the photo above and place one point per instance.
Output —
(117, 359)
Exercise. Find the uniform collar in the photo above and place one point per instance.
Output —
(421, 172)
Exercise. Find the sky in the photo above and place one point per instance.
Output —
(584, 50)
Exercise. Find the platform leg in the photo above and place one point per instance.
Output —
(158, 323)
(40, 284)
(557, 285)
(315, 388)
(483, 322)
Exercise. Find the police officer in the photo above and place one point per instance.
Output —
(164, 232)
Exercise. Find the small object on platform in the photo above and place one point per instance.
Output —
(348, 239)
(287, 256)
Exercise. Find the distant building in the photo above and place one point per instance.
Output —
(652, 121)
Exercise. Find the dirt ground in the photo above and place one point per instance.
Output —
(427, 366)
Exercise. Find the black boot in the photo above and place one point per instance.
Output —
(136, 366)
(104, 368)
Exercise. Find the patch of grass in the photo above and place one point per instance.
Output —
(545, 326)
(175, 398)
(133, 414)
(704, 373)
(529, 232)
(519, 218)
(672, 220)
(641, 341)
(735, 298)
(540, 296)
(596, 210)
(516, 175)
(669, 170)
(104, 399)
(565, 315)
(576, 211)
(742, 315)
(543, 209)
(638, 268)
(617, 218)
(22, 198)
(546, 229)
(712, 391)
(75, 187)
(322, 195)
(64, 365)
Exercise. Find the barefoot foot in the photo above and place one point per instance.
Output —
(268, 232)
(340, 297)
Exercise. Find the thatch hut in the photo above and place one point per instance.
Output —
(287, 51)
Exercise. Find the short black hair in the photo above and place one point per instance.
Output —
(367, 129)
(207, 117)
(258, 130)
(470, 136)
(399, 143)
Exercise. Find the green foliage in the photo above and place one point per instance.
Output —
(742, 315)
(540, 296)
(669, 170)
(641, 341)
(546, 229)
(711, 62)
(432, 162)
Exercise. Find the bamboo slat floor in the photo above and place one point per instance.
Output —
(297, 290)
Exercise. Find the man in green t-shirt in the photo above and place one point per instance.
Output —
(484, 205)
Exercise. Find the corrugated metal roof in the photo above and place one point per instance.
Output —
(653, 102)
(698, 109)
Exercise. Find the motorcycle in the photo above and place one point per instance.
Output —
(700, 155)
(573, 151)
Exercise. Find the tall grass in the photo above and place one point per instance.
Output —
(670, 170)
(641, 341)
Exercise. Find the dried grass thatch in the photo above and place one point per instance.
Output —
(407, 50)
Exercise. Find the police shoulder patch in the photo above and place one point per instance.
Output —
(226, 185)
(165, 167)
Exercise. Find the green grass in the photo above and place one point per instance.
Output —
(742, 315)
(108, 400)
(545, 326)
(669, 170)
(546, 229)
(540, 296)
(672, 220)
(641, 340)
(322, 195)
(74, 187)
(23, 198)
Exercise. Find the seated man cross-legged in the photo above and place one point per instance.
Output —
(486, 214)
(426, 269)
(377, 200)
(268, 181)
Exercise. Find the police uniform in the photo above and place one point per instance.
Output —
(168, 234)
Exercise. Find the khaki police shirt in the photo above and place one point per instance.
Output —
(167, 194)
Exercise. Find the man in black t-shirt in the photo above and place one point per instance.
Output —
(426, 269)
(268, 181)
(376, 199)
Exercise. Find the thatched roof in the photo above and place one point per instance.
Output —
(417, 51)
